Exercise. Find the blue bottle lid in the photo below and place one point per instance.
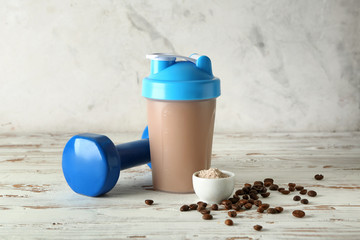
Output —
(191, 79)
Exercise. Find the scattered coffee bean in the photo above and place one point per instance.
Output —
(260, 210)
(149, 202)
(265, 206)
(200, 207)
(228, 207)
(246, 190)
(272, 211)
(265, 195)
(303, 192)
(269, 180)
(242, 202)
(184, 208)
(201, 203)
(226, 202)
(248, 185)
(233, 200)
(297, 198)
(254, 196)
(299, 188)
(258, 227)
(286, 192)
(304, 201)
(257, 203)
(207, 216)
(193, 206)
(279, 209)
(312, 193)
(239, 192)
(205, 211)
(263, 190)
(248, 206)
(236, 207)
(267, 184)
(258, 183)
(214, 207)
(318, 176)
(232, 214)
(280, 189)
(245, 196)
(291, 189)
(273, 187)
(229, 222)
(291, 184)
(298, 213)
(252, 201)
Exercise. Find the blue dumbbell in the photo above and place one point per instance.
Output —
(91, 163)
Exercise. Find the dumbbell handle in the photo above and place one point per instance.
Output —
(134, 153)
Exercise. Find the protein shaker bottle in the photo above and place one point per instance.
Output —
(181, 100)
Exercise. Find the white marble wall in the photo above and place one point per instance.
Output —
(78, 65)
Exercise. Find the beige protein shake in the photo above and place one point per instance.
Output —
(181, 102)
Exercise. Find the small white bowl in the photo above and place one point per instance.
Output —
(214, 190)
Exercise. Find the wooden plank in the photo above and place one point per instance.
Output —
(35, 201)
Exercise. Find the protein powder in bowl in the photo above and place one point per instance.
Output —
(213, 185)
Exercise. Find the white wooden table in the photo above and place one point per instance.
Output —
(35, 201)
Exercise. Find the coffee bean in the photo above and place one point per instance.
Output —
(299, 188)
(272, 211)
(297, 198)
(205, 211)
(303, 192)
(193, 206)
(229, 222)
(280, 189)
(246, 190)
(239, 192)
(149, 202)
(291, 184)
(273, 187)
(318, 176)
(202, 203)
(242, 202)
(304, 201)
(267, 184)
(258, 183)
(184, 208)
(298, 213)
(279, 209)
(265, 206)
(234, 200)
(200, 207)
(214, 207)
(236, 207)
(232, 214)
(263, 190)
(251, 201)
(248, 206)
(226, 202)
(260, 210)
(228, 207)
(286, 192)
(312, 193)
(257, 227)
(248, 185)
(265, 195)
(253, 191)
(254, 196)
(269, 180)
(257, 203)
(245, 196)
(291, 189)
(207, 216)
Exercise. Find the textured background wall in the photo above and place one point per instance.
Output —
(78, 65)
